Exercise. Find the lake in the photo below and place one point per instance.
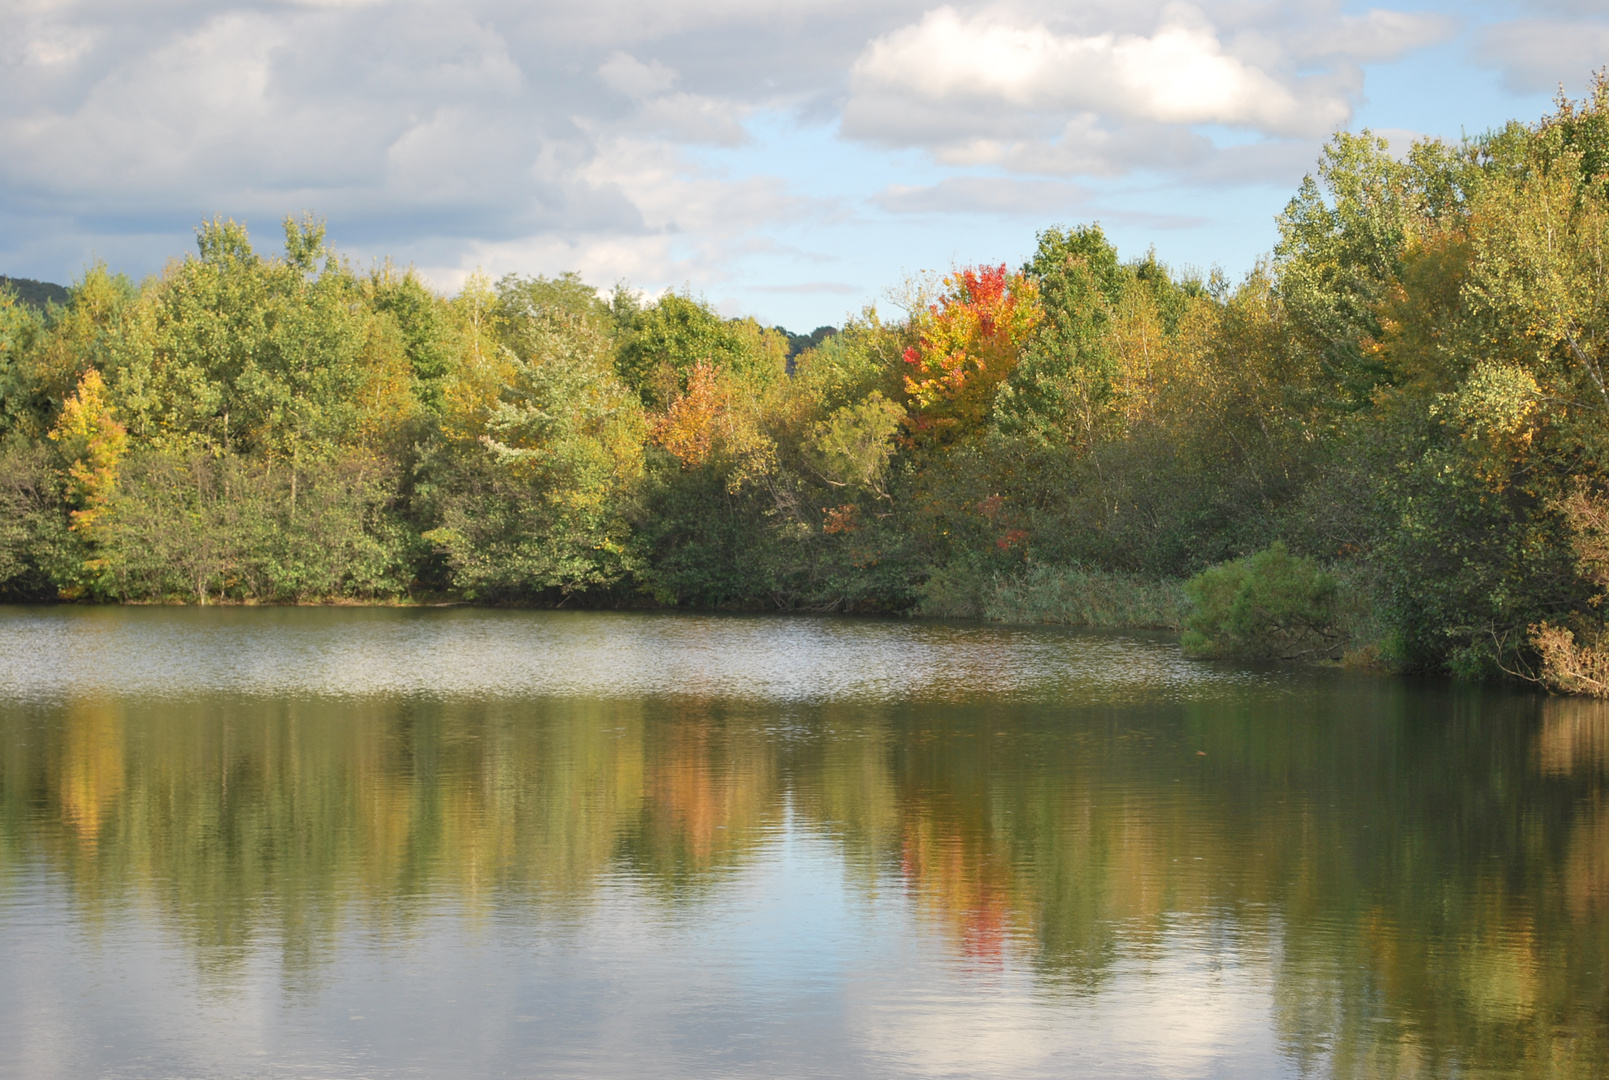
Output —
(336, 842)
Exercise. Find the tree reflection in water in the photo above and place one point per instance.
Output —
(1422, 871)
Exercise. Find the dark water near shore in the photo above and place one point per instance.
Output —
(375, 843)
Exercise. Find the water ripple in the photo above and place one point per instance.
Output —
(48, 653)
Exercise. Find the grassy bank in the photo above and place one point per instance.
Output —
(1058, 596)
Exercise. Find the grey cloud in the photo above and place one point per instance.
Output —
(1085, 146)
(625, 74)
(484, 116)
(1166, 222)
(1279, 163)
(419, 117)
(1568, 7)
(1399, 140)
(1010, 197)
(983, 195)
(810, 288)
(1375, 35)
(1542, 54)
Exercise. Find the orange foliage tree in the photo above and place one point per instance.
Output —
(690, 425)
(706, 423)
(968, 343)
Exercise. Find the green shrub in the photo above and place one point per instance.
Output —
(191, 526)
(1270, 606)
(956, 590)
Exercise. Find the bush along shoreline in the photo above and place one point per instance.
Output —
(1387, 445)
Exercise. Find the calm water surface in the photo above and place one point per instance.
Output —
(378, 843)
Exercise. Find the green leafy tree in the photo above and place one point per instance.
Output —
(425, 328)
(1342, 240)
(1066, 372)
(527, 490)
(244, 353)
(678, 332)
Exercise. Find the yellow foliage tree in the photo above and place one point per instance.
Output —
(93, 443)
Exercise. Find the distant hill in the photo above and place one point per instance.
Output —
(34, 293)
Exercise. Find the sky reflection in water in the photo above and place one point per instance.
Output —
(426, 843)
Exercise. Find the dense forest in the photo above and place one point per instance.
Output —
(1388, 442)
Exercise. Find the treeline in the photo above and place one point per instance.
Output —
(1389, 438)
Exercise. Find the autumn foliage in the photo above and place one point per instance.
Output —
(690, 427)
(968, 343)
(1407, 398)
(707, 424)
(93, 444)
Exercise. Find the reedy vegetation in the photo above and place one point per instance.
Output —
(1404, 409)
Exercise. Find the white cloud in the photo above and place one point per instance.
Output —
(57, 46)
(1179, 74)
(681, 117)
(691, 225)
(678, 199)
(1003, 87)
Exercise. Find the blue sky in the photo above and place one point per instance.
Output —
(792, 163)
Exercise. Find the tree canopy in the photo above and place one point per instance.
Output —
(1407, 397)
